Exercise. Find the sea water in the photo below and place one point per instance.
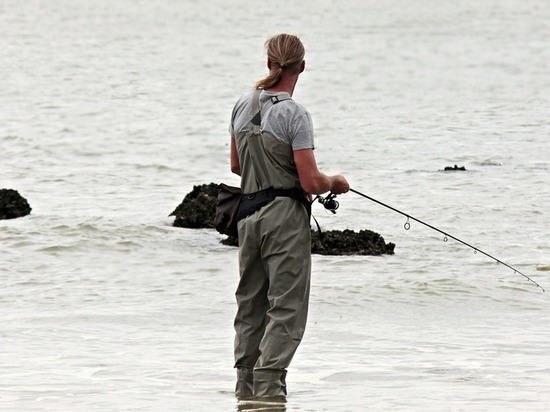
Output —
(111, 111)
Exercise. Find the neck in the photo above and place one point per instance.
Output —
(286, 84)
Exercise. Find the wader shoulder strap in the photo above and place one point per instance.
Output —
(257, 113)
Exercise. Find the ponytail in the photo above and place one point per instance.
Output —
(285, 51)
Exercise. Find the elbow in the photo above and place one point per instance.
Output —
(236, 169)
(235, 165)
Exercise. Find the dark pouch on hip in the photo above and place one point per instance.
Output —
(225, 219)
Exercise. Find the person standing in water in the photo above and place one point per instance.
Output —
(279, 174)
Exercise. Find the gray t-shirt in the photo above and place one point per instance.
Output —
(286, 121)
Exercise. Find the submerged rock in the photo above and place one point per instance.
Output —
(455, 167)
(199, 206)
(349, 242)
(490, 163)
(13, 205)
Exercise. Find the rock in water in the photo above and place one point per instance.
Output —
(198, 208)
(454, 168)
(349, 242)
(12, 204)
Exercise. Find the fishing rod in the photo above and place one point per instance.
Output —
(331, 204)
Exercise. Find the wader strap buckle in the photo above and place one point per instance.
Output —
(256, 110)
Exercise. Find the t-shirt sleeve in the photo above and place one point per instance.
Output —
(302, 132)
(232, 121)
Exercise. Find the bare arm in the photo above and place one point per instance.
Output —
(235, 166)
(314, 181)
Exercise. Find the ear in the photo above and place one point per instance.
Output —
(302, 66)
(269, 64)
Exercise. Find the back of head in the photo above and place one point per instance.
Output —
(285, 52)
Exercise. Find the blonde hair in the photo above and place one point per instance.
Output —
(287, 52)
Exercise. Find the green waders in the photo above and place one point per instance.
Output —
(275, 271)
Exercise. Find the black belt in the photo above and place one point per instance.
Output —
(252, 202)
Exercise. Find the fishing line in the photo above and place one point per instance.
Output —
(407, 226)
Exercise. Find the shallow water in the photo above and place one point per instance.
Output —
(112, 111)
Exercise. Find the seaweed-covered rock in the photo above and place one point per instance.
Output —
(198, 208)
(455, 168)
(12, 204)
(349, 242)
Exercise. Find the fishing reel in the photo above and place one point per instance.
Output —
(329, 202)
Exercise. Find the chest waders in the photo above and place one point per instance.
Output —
(274, 261)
